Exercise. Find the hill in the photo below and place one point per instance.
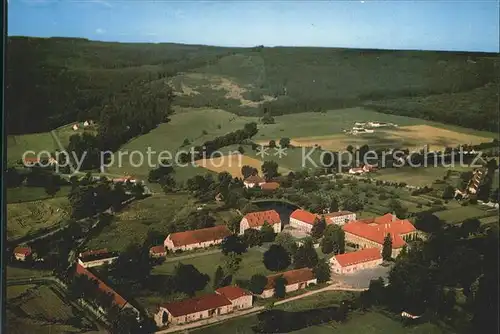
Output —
(51, 82)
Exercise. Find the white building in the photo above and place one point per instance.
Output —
(303, 220)
(349, 263)
(297, 279)
(340, 217)
(253, 180)
(201, 238)
(255, 220)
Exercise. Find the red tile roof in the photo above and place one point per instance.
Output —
(304, 216)
(94, 252)
(232, 292)
(157, 249)
(258, 218)
(363, 255)
(198, 236)
(339, 213)
(377, 229)
(291, 276)
(270, 186)
(254, 179)
(26, 251)
(198, 304)
(119, 300)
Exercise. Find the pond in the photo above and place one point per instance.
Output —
(283, 208)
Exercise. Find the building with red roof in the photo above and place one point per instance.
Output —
(296, 279)
(22, 253)
(95, 258)
(270, 186)
(255, 220)
(370, 233)
(339, 217)
(117, 299)
(201, 238)
(239, 298)
(348, 263)
(303, 220)
(158, 251)
(193, 309)
(253, 181)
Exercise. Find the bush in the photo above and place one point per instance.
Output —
(204, 132)
(465, 203)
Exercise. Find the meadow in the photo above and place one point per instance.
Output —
(29, 194)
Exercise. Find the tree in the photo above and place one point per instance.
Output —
(327, 245)
(257, 283)
(248, 171)
(387, 248)
(135, 256)
(352, 203)
(337, 236)
(267, 232)
(448, 192)
(287, 241)
(398, 209)
(305, 256)
(218, 277)
(318, 227)
(322, 271)
(233, 243)
(276, 258)
(428, 222)
(280, 287)
(269, 169)
(267, 119)
(234, 224)
(272, 143)
(470, 226)
(53, 185)
(252, 237)
(188, 279)
(284, 142)
(232, 264)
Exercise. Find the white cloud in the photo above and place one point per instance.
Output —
(100, 31)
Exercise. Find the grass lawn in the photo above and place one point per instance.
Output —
(413, 176)
(28, 194)
(39, 309)
(17, 272)
(18, 144)
(30, 217)
(458, 215)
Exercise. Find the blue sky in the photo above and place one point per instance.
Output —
(422, 24)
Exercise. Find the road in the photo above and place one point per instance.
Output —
(253, 310)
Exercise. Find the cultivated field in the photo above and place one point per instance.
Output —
(30, 217)
(18, 144)
(233, 163)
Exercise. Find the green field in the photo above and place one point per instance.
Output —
(17, 145)
(28, 218)
(29, 194)
(418, 177)
(20, 273)
(40, 309)
(458, 215)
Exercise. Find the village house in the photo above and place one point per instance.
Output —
(255, 220)
(121, 302)
(201, 238)
(22, 253)
(303, 220)
(95, 258)
(340, 217)
(362, 170)
(239, 298)
(297, 279)
(349, 263)
(194, 309)
(370, 233)
(75, 127)
(253, 180)
(157, 251)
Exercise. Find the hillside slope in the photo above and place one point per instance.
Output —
(54, 81)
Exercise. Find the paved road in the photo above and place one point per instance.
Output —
(253, 310)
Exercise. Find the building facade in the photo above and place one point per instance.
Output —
(95, 258)
(253, 181)
(340, 217)
(255, 220)
(239, 298)
(201, 238)
(349, 263)
(297, 279)
(158, 251)
(303, 220)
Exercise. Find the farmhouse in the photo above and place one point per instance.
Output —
(362, 170)
(340, 217)
(201, 238)
(349, 263)
(157, 251)
(193, 309)
(239, 298)
(254, 180)
(303, 220)
(256, 220)
(22, 253)
(296, 280)
(117, 299)
(94, 258)
(370, 233)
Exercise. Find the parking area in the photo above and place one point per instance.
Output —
(361, 279)
(298, 234)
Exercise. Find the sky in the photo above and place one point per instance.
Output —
(421, 24)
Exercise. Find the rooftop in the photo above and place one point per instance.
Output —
(270, 186)
(258, 218)
(254, 179)
(304, 216)
(198, 236)
(22, 250)
(197, 304)
(157, 249)
(291, 276)
(363, 255)
(232, 292)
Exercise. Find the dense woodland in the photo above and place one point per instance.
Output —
(52, 82)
